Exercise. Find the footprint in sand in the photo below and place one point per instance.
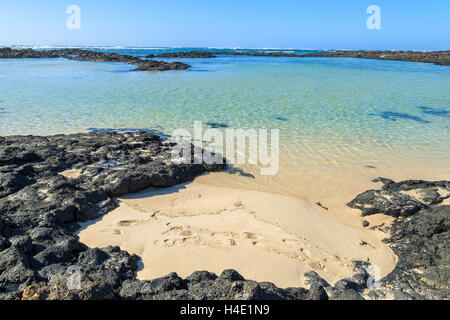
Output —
(186, 233)
(127, 223)
(238, 204)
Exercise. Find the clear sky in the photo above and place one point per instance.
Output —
(339, 24)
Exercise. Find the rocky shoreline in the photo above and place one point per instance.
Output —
(87, 55)
(436, 57)
(41, 208)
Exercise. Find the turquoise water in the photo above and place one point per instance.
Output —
(324, 107)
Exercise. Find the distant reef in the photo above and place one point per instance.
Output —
(181, 54)
(436, 57)
(87, 55)
(40, 211)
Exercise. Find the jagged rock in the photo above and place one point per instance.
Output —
(436, 57)
(40, 212)
(345, 284)
(38, 249)
(393, 204)
(345, 294)
(87, 55)
(317, 292)
(58, 289)
(422, 245)
(200, 276)
(312, 278)
(24, 243)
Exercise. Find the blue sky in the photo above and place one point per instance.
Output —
(406, 24)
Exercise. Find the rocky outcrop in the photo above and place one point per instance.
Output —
(182, 54)
(142, 65)
(258, 54)
(87, 55)
(401, 199)
(436, 57)
(422, 244)
(9, 53)
(48, 185)
(420, 237)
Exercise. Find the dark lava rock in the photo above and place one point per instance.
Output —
(436, 57)
(421, 240)
(345, 294)
(189, 54)
(312, 279)
(365, 223)
(39, 210)
(258, 54)
(87, 55)
(141, 65)
(9, 53)
(317, 292)
(422, 245)
(217, 125)
(345, 284)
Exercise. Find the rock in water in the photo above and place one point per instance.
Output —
(87, 55)
(40, 206)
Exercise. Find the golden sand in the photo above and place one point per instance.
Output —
(266, 228)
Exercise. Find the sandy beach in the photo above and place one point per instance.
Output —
(267, 228)
(264, 236)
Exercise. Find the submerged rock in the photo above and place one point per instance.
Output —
(87, 55)
(392, 199)
(39, 210)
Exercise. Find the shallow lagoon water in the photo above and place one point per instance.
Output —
(337, 112)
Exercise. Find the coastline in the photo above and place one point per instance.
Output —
(436, 57)
(37, 246)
